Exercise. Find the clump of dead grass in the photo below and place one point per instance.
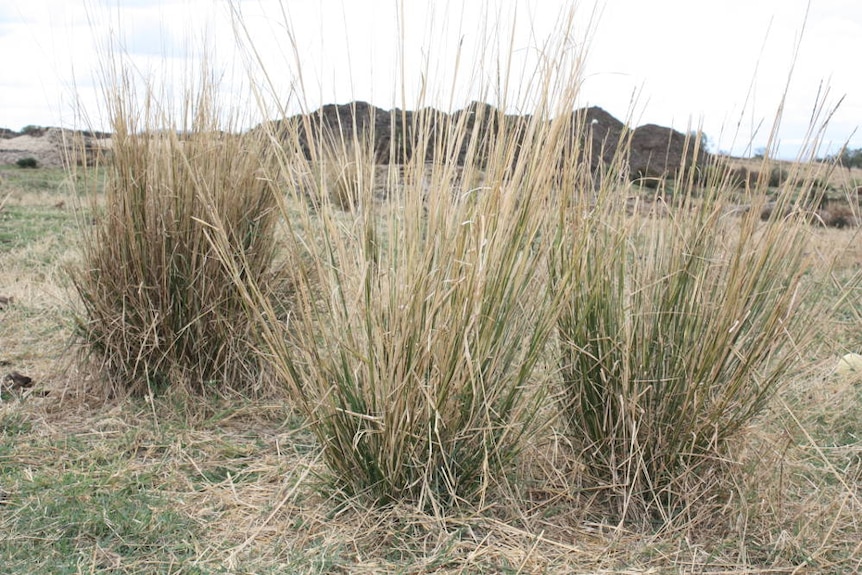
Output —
(677, 334)
(157, 308)
(428, 313)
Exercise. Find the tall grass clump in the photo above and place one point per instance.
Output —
(681, 325)
(158, 309)
(426, 315)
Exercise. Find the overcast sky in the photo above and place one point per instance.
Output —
(720, 63)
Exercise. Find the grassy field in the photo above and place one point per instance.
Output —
(179, 484)
(261, 353)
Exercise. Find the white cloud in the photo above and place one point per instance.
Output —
(670, 62)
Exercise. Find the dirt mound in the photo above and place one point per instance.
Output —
(654, 151)
(45, 148)
(51, 147)
(604, 133)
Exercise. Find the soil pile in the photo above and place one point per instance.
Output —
(651, 151)
(51, 147)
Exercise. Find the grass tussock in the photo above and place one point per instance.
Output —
(158, 309)
(678, 330)
(427, 313)
(416, 364)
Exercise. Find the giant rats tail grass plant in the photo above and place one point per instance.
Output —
(158, 309)
(679, 327)
(426, 315)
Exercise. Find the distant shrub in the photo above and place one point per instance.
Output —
(777, 177)
(838, 216)
(649, 183)
(27, 163)
(727, 176)
(817, 197)
(742, 177)
(34, 131)
(822, 184)
(846, 158)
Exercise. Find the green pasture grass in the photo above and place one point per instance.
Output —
(38, 238)
(23, 225)
(44, 180)
(80, 502)
(133, 489)
(36, 204)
